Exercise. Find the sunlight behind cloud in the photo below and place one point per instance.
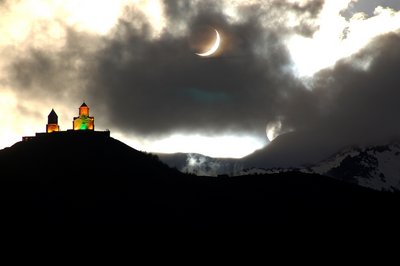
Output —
(95, 15)
(154, 11)
(8, 134)
(273, 130)
(18, 119)
(214, 146)
(338, 38)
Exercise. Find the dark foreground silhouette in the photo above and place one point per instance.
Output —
(87, 178)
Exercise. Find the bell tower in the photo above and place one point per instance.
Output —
(84, 110)
(52, 122)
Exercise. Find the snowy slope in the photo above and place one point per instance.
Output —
(376, 167)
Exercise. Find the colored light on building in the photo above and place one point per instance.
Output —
(52, 122)
(83, 121)
(52, 128)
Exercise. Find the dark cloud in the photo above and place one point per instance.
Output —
(349, 105)
(305, 12)
(60, 75)
(154, 85)
(365, 102)
(157, 86)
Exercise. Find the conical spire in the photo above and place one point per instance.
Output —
(52, 122)
(52, 118)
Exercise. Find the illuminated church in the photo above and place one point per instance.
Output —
(82, 124)
(83, 121)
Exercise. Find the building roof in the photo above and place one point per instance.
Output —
(53, 113)
(84, 105)
(52, 118)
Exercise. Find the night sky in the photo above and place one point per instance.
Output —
(325, 72)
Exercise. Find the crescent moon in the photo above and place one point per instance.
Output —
(214, 48)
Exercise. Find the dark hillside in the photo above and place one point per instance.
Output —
(89, 178)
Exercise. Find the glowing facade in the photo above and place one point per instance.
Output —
(83, 125)
(83, 121)
(52, 122)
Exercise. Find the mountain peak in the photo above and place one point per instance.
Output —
(376, 166)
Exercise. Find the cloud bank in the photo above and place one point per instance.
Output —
(349, 105)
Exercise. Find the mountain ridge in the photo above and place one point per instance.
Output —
(373, 166)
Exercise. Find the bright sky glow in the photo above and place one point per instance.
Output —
(155, 13)
(338, 38)
(220, 146)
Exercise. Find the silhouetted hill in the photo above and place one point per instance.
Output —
(89, 178)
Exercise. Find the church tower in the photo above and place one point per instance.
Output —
(83, 121)
(52, 122)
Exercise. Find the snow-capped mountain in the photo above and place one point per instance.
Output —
(377, 167)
